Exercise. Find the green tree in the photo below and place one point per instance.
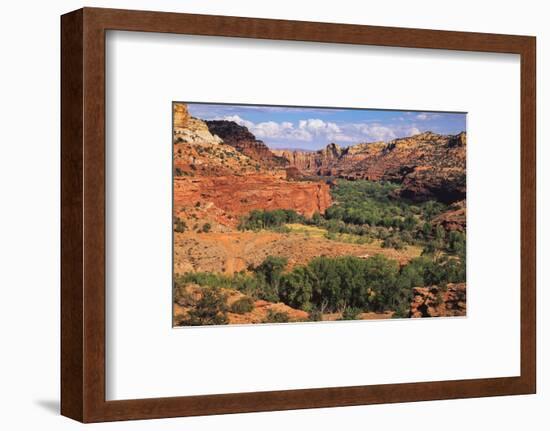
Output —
(276, 316)
(351, 313)
(296, 288)
(211, 309)
(426, 230)
(456, 242)
(270, 271)
(242, 305)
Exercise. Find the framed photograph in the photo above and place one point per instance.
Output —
(269, 215)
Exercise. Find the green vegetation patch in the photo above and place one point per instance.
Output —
(344, 284)
(364, 211)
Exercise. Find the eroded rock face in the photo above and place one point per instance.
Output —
(181, 115)
(199, 152)
(454, 219)
(223, 170)
(428, 165)
(436, 301)
(238, 195)
(241, 139)
(312, 162)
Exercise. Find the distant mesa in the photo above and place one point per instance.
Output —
(428, 165)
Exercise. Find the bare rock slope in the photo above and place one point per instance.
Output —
(428, 165)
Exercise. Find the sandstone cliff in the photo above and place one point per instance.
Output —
(439, 302)
(241, 139)
(225, 182)
(313, 162)
(428, 165)
(454, 218)
(198, 152)
(238, 195)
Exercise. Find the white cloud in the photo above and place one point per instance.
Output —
(318, 133)
(424, 116)
(317, 126)
(284, 130)
(237, 119)
(366, 132)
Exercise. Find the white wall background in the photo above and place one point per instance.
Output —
(29, 220)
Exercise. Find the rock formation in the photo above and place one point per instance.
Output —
(437, 301)
(199, 152)
(221, 162)
(234, 173)
(428, 165)
(454, 218)
(313, 162)
(238, 195)
(181, 115)
(241, 139)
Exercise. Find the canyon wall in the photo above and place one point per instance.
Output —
(238, 195)
(222, 172)
(242, 140)
(428, 165)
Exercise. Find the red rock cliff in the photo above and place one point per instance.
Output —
(219, 174)
(238, 195)
(428, 165)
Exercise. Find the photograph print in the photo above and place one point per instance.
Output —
(306, 214)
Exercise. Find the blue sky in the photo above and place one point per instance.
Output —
(314, 128)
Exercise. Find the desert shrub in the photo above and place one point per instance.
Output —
(315, 315)
(402, 311)
(271, 270)
(242, 305)
(429, 271)
(211, 309)
(351, 313)
(439, 233)
(210, 279)
(426, 230)
(274, 316)
(251, 285)
(206, 227)
(393, 242)
(179, 225)
(184, 297)
(456, 242)
(316, 218)
(264, 219)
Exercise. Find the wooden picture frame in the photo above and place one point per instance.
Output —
(83, 334)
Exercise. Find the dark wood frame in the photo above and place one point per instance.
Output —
(83, 214)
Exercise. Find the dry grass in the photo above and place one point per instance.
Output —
(230, 252)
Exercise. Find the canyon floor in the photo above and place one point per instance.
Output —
(230, 252)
